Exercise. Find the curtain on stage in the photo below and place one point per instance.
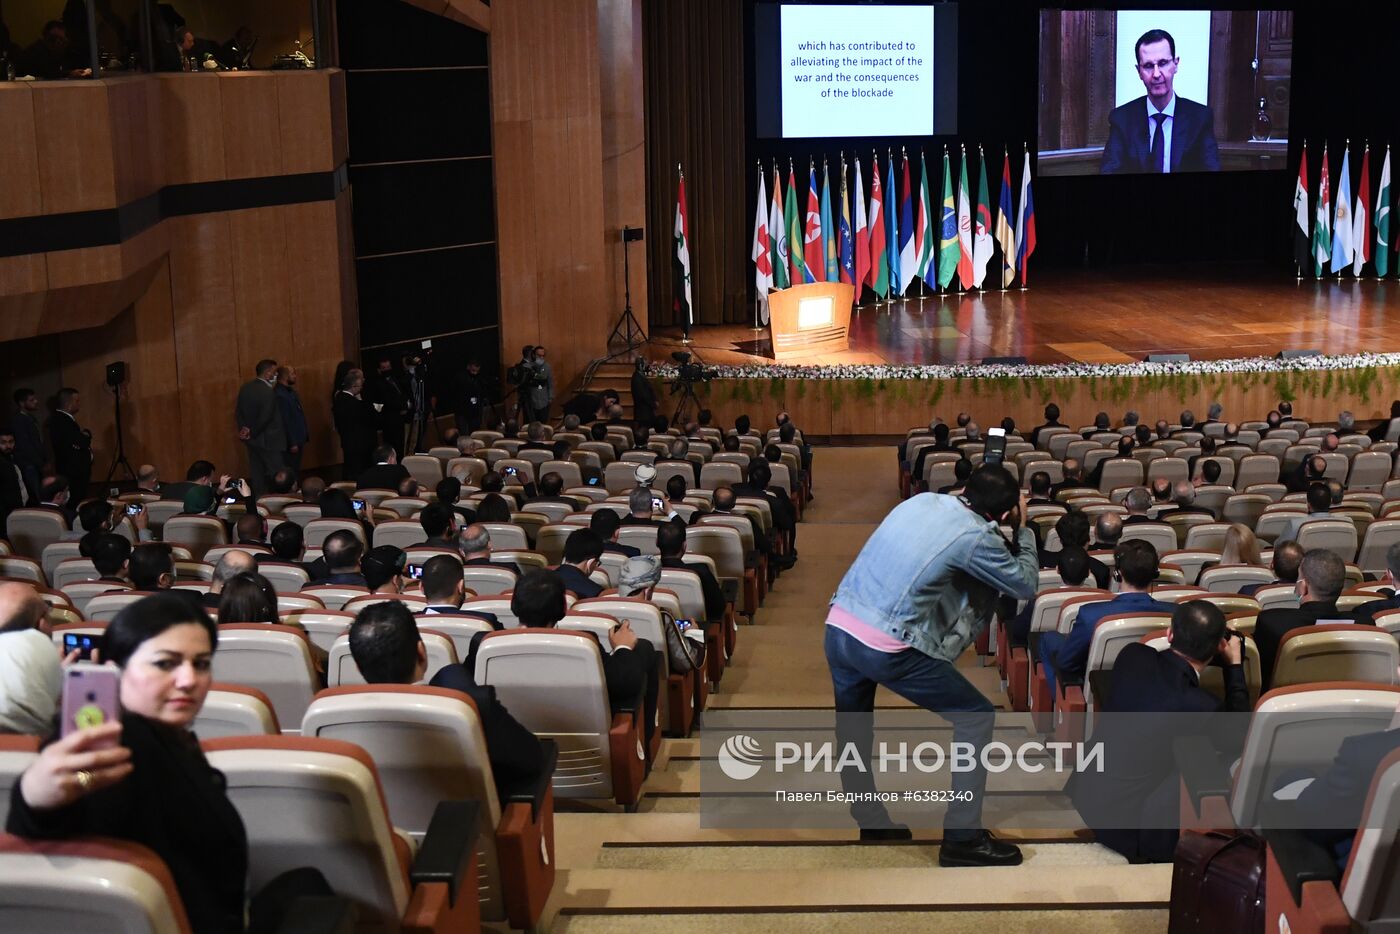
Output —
(695, 116)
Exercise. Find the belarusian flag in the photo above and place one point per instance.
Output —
(1006, 235)
(792, 223)
(925, 236)
(862, 245)
(762, 251)
(1302, 248)
(813, 255)
(777, 234)
(982, 225)
(947, 229)
(1322, 227)
(682, 234)
(847, 256)
(964, 227)
(1342, 247)
(879, 262)
(908, 248)
(1383, 219)
(1361, 217)
(1025, 225)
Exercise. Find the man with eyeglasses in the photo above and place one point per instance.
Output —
(1159, 132)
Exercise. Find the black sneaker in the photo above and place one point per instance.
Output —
(888, 833)
(982, 850)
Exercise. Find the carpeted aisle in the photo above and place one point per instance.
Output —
(658, 869)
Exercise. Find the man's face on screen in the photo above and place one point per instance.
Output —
(1157, 68)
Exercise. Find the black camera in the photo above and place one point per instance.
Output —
(689, 372)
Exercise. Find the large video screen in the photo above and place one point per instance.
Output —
(1163, 91)
(846, 70)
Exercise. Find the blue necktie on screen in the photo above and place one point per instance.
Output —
(1159, 157)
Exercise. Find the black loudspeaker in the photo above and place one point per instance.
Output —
(1167, 358)
(1003, 361)
(1295, 354)
(631, 234)
(116, 373)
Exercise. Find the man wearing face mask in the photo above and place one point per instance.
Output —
(420, 405)
(926, 582)
(392, 403)
(541, 390)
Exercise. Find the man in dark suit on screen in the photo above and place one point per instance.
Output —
(1159, 132)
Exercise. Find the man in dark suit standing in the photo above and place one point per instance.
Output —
(293, 418)
(643, 395)
(1321, 576)
(72, 444)
(1140, 785)
(392, 403)
(29, 441)
(354, 421)
(1159, 132)
(260, 427)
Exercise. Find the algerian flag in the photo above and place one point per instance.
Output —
(982, 225)
(1383, 219)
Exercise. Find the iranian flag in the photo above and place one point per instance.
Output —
(682, 233)
(1361, 217)
(1322, 226)
(862, 248)
(964, 227)
(1302, 247)
(982, 225)
(1383, 219)
(762, 250)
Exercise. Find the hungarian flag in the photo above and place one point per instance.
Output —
(924, 237)
(813, 256)
(908, 248)
(1322, 226)
(1361, 217)
(792, 223)
(879, 262)
(982, 225)
(762, 250)
(682, 234)
(1302, 248)
(777, 234)
(1383, 219)
(947, 229)
(964, 227)
(862, 244)
(847, 248)
(892, 227)
(829, 264)
(1025, 225)
(1342, 247)
(1006, 234)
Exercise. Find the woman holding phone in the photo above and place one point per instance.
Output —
(141, 776)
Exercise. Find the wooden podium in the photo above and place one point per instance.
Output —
(810, 319)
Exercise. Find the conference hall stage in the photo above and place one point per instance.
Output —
(1086, 330)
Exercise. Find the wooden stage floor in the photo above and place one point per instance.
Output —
(1101, 316)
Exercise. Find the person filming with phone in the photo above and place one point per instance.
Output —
(922, 588)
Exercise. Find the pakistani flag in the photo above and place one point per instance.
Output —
(1383, 219)
(947, 229)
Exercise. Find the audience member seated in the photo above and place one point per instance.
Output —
(606, 522)
(1288, 556)
(54, 495)
(1184, 499)
(203, 501)
(200, 473)
(438, 525)
(679, 447)
(248, 598)
(629, 669)
(445, 592)
(940, 446)
(1366, 612)
(337, 504)
(1161, 490)
(1052, 420)
(98, 516)
(1382, 429)
(1321, 576)
(551, 486)
(341, 553)
(1073, 530)
(1074, 478)
(1310, 470)
(493, 508)
(387, 648)
(311, 490)
(670, 541)
(1145, 785)
(283, 482)
(145, 780)
(1135, 568)
(383, 569)
(151, 567)
(962, 469)
(639, 505)
(1187, 418)
(535, 438)
(1041, 494)
(1124, 453)
(474, 542)
(1319, 507)
(449, 490)
(724, 503)
(1137, 502)
(109, 554)
(1072, 562)
(1102, 423)
(288, 543)
(582, 549)
(1241, 546)
(675, 491)
(386, 473)
(232, 564)
(30, 677)
(1108, 529)
(784, 515)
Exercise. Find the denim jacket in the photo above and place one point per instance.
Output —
(930, 574)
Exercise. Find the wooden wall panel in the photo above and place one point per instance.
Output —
(21, 274)
(19, 152)
(305, 125)
(251, 124)
(192, 129)
(261, 287)
(623, 147)
(73, 130)
(340, 128)
(71, 268)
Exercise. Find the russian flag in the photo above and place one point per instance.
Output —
(1025, 226)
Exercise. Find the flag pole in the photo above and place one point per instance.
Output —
(1297, 266)
(963, 147)
(690, 309)
(1346, 160)
(1006, 175)
(1027, 149)
(757, 299)
(889, 280)
(923, 182)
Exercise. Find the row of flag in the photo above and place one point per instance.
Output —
(1340, 236)
(861, 240)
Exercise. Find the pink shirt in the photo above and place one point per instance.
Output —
(864, 633)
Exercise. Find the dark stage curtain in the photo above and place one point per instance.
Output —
(693, 63)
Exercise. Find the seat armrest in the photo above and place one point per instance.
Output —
(319, 914)
(628, 758)
(534, 795)
(449, 847)
(1300, 860)
(1203, 774)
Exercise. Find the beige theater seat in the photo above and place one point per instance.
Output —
(285, 578)
(335, 596)
(677, 703)
(1233, 578)
(401, 533)
(235, 710)
(273, 658)
(55, 554)
(321, 626)
(460, 629)
(428, 746)
(550, 541)
(415, 602)
(488, 581)
(197, 533)
(318, 802)
(104, 607)
(1336, 652)
(30, 531)
(1076, 701)
(17, 753)
(552, 682)
(318, 530)
(301, 513)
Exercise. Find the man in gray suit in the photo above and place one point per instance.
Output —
(260, 426)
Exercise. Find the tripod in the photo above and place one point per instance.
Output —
(687, 400)
(119, 460)
(628, 329)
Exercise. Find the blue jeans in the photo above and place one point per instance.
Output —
(935, 685)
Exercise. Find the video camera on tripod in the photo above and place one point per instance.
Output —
(688, 374)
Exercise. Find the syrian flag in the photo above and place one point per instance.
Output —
(1006, 233)
(1302, 248)
(847, 248)
(762, 250)
(982, 225)
(862, 245)
(964, 227)
(879, 261)
(682, 234)
(1383, 219)
(1025, 225)
(1361, 217)
(908, 248)
(1342, 247)
(1322, 227)
(925, 237)
(777, 235)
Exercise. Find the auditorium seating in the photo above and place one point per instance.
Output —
(235, 710)
(275, 659)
